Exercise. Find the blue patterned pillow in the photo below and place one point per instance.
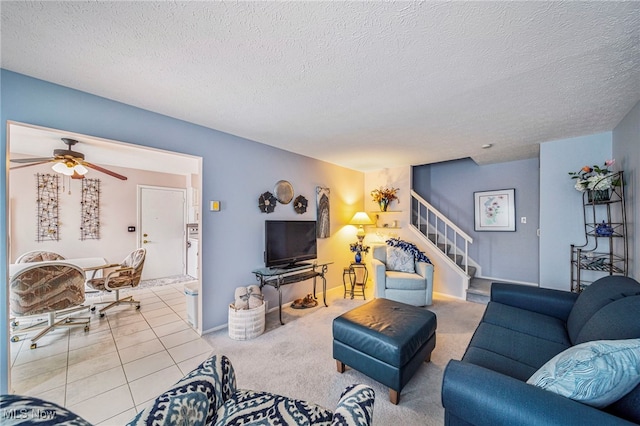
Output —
(27, 410)
(399, 260)
(195, 399)
(596, 373)
(249, 407)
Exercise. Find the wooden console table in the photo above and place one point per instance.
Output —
(278, 277)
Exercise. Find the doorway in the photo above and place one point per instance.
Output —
(162, 224)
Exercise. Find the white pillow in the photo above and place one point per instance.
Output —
(399, 260)
(596, 373)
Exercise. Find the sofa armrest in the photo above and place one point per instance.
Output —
(478, 396)
(555, 303)
(355, 406)
(379, 270)
(194, 399)
(425, 270)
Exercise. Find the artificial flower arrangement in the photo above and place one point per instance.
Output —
(595, 178)
(381, 193)
(358, 247)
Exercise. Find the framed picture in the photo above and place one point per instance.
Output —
(495, 210)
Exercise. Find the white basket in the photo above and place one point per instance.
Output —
(246, 323)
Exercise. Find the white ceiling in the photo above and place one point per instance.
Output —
(365, 85)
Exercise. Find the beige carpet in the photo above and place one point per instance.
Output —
(296, 359)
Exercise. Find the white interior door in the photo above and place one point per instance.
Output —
(162, 230)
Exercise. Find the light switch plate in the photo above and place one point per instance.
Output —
(214, 206)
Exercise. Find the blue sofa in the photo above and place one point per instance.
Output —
(208, 396)
(522, 329)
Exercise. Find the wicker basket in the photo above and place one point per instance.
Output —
(246, 324)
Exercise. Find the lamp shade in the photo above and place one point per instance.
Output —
(361, 218)
(63, 168)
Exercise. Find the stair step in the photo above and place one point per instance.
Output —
(479, 290)
(457, 258)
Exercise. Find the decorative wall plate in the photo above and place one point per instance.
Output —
(300, 204)
(267, 202)
(284, 191)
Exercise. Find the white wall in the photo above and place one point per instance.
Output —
(561, 214)
(117, 212)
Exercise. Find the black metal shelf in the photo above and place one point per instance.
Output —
(605, 249)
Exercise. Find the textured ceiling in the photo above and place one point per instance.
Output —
(366, 85)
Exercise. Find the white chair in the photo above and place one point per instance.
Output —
(413, 286)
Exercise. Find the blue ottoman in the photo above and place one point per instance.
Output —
(386, 340)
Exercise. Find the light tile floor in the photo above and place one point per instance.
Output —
(126, 359)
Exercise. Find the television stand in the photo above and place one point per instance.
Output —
(278, 277)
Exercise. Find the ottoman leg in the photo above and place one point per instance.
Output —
(428, 358)
(341, 366)
(394, 396)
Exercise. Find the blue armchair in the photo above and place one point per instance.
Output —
(522, 329)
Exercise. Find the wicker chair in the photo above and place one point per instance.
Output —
(38, 256)
(47, 288)
(125, 275)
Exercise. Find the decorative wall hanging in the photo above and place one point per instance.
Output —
(322, 201)
(47, 205)
(283, 191)
(90, 206)
(495, 210)
(300, 204)
(267, 202)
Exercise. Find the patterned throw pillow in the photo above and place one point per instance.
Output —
(399, 260)
(596, 373)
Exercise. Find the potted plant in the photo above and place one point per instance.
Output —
(358, 248)
(596, 180)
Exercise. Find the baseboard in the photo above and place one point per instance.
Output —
(508, 281)
(448, 296)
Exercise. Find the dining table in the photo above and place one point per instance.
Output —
(84, 263)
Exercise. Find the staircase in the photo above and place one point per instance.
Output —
(442, 234)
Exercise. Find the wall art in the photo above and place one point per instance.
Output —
(90, 209)
(267, 202)
(300, 204)
(47, 207)
(495, 210)
(323, 230)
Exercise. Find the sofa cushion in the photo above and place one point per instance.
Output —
(399, 260)
(510, 352)
(612, 322)
(249, 407)
(600, 293)
(596, 373)
(528, 322)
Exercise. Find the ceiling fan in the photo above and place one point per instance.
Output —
(67, 162)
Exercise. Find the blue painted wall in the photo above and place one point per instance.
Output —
(235, 171)
(626, 151)
(561, 215)
(449, 187)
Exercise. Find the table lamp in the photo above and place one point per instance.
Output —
(361, 219)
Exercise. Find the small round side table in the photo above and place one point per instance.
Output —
(357, 280)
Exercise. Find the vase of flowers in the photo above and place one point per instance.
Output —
(384, 196)
(596, 180)
(358, 248)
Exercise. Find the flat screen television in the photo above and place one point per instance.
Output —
(288, 242)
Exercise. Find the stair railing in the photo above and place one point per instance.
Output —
(428, 220)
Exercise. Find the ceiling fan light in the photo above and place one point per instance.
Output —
(80, 169)
(62, 168)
